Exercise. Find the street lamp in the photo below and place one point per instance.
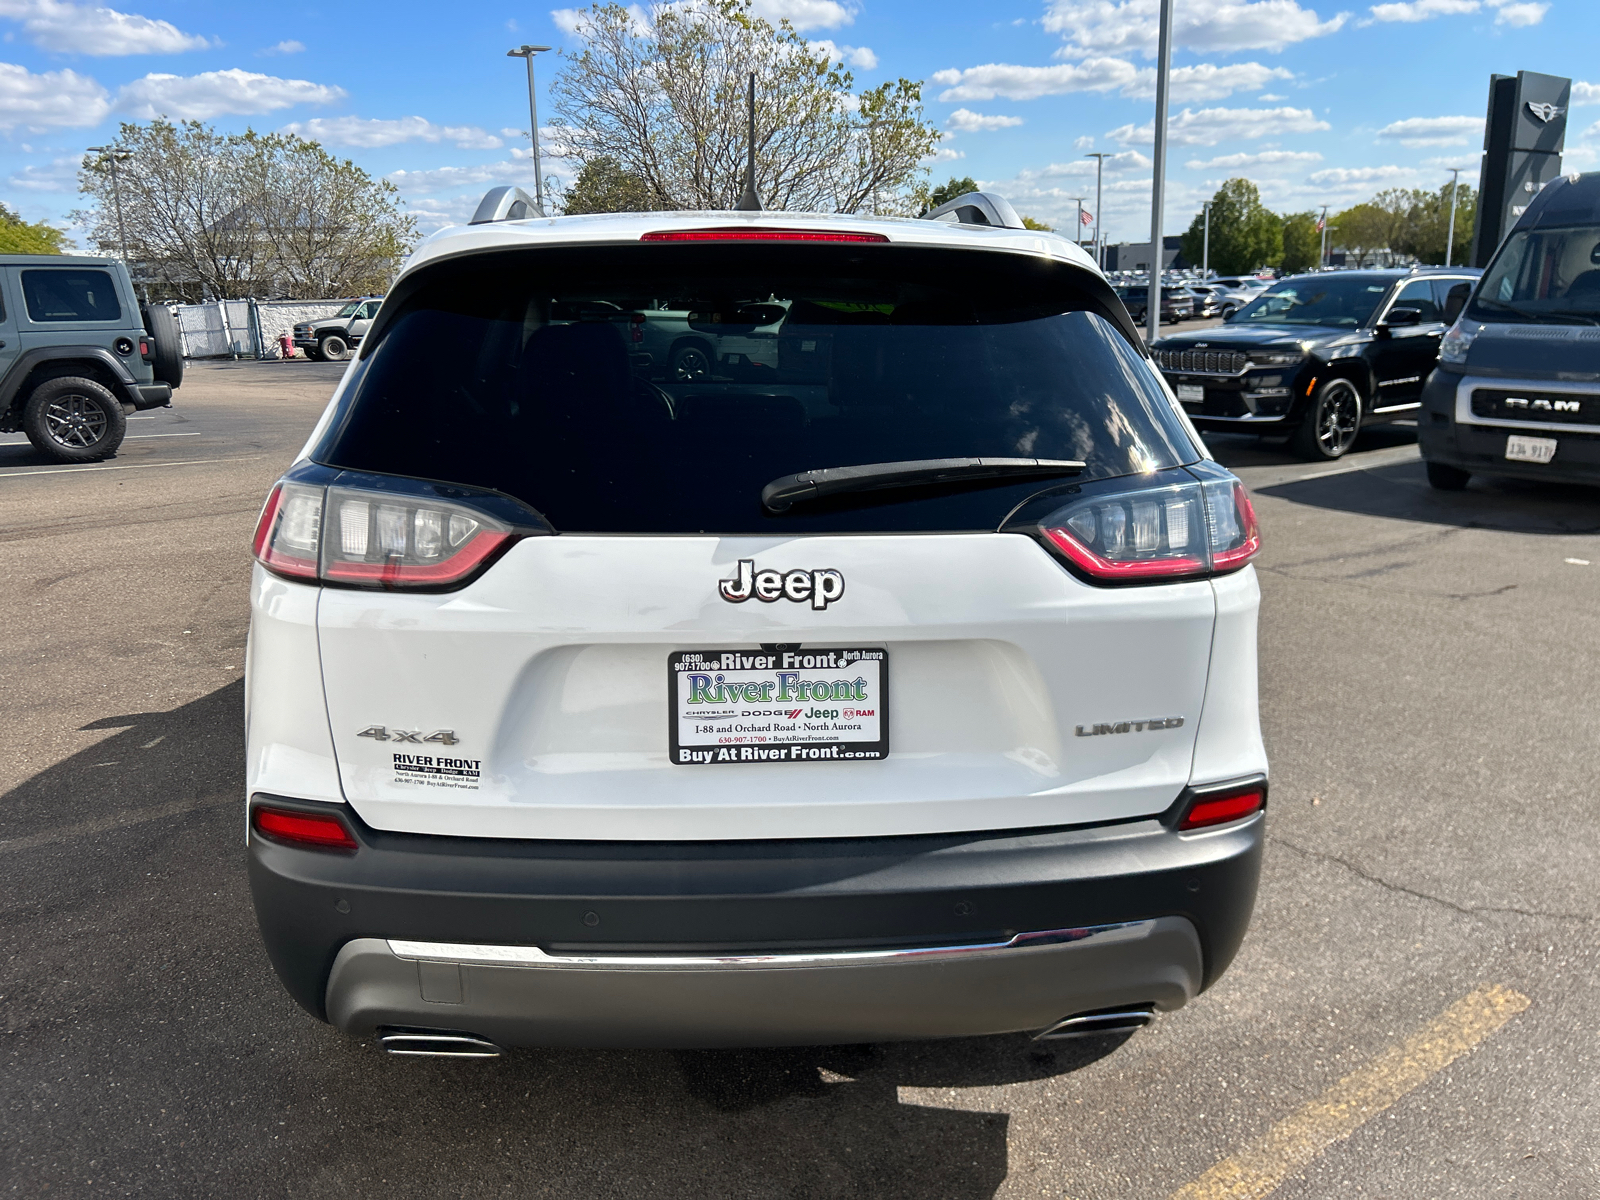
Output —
(1205, 245)
(1077, 232)
(1455, 186)
(1322, 253)
(116, 154)
(1159, 183)
(528, 52)
(1099, 241)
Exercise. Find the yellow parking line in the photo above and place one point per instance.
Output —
(1291, 1144)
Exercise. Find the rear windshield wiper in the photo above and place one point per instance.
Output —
(788, 490)
(1536, 315)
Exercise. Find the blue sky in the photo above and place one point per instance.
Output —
(1318, 103)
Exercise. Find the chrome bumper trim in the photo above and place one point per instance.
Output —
(533, 956)
(1465, 416)
(1248, 419)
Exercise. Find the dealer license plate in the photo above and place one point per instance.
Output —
(1530, 449)
(810, 705)
(1191, 393)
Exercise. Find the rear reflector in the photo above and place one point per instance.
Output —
(745, 233)
(1217, 810)
(302, 829)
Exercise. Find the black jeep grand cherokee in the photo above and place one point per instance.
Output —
(1316, 357)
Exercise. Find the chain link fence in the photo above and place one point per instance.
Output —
(245, 328)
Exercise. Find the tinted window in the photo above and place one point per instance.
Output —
(1418, 294)
(63, 294)
(1543, 271)
(1342, 301)
(658, 388)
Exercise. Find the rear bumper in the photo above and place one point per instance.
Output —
(154, 395)
(862, 939)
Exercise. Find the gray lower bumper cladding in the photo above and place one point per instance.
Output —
(521, 996)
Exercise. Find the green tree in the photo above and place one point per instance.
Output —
(213, 215)
(1362, 230)
(1302, 243)
(603, 186)
(1427, 224)
(1030, 223)
(1245, 234)
(666, 102)
(19, 237)
(945, 192)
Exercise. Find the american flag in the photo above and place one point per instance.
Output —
(1084, 217)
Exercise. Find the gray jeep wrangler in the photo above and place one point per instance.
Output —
(332, 338)
(77, 354)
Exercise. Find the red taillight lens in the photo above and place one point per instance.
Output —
(746, 233)
(303, 829)
(1170, 532)
(1218, 810)
(144, 348)
(374, 538)
(289, 533)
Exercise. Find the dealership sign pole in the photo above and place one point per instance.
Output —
(1159, 184)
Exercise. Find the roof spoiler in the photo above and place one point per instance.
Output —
(504, 203)
(977, 208)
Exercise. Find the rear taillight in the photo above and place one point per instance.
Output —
(1174, 531)
(374, 538)
(317, 831)
(1221, 808)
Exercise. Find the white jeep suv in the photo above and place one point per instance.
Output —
(898, 684)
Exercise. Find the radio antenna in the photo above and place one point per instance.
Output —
(750, 201)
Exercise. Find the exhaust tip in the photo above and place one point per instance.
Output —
(435, 1043)
(1100, 1023)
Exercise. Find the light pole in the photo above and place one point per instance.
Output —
(528, 52)
(1450, 238)
(1322, 254)
(1099, 241)
(1159, 183)
(116, 154)
(1205, 245)
(1077, 233)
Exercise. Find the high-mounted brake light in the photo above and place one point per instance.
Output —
(747, 233)
(313, 830)
(374, 538)
(1219, 810)
(1156, 534)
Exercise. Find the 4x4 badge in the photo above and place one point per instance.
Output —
(445, 737)
(821, 588)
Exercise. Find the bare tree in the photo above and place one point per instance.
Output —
(665, 102)
(213, 215)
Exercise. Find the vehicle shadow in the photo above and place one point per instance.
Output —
(1401, 490)
(1234, 450)
(130, 955)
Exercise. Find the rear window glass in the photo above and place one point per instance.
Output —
(60, 294)
(657, 389)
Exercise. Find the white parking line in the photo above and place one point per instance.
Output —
(96, 467)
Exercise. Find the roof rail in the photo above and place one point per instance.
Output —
(977, 208)
(504, 203)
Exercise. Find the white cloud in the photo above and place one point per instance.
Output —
(96, 30)
(443, 178)
(1264, 158)
(369, 133)
(994, 80)
(805, 14)
(60, 176)
(215, 93)
(572, 21)
(1519, 15)
(1209, 126)
(945, 154)
(1343, 175)
(964, 120)
(1203, 81)
(1121, 26)
(1271, 97)
(1083, 143)
(1422, 10)
(860, 57)
(1585, 93)
(289, 47)
(1434, 131)
(49, 100)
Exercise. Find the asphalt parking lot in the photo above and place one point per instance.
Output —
(1412, 1016)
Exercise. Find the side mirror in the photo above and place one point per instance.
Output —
(1403, 316)
(1229, 315)
(1455, 300)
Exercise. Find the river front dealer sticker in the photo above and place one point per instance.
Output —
(806, 705)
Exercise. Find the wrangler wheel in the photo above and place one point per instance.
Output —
(74, 420)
